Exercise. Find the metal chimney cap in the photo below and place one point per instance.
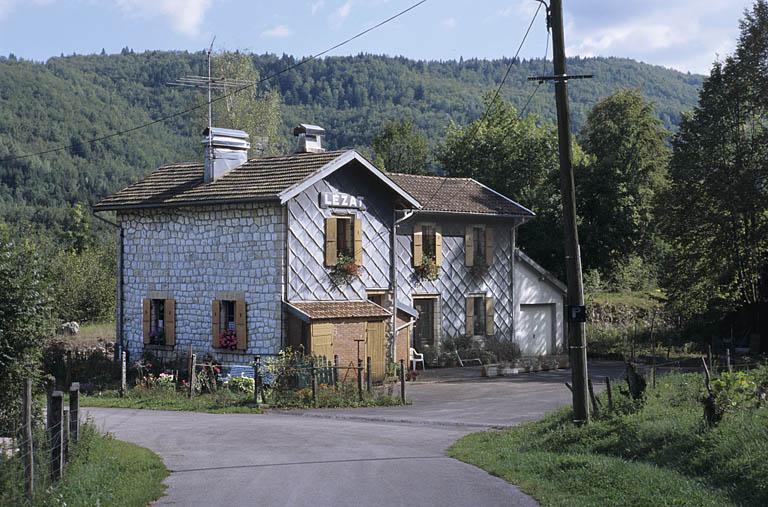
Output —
(306, 128)
(216, 131)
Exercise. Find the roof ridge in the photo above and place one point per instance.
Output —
(433, 176)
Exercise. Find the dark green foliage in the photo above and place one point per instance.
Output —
(400, 148)
(85, 285)
(617, 189)
(25, 312)
(715, 213)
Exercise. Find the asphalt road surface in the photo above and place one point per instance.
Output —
(391, 456)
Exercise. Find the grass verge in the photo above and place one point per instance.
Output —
(655, 453)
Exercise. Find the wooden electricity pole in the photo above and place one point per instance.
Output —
(576, 312)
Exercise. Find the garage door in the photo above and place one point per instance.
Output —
(534, 331)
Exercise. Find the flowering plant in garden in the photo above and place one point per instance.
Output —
(228, 340)
(428, 270)
(344, 270)
(157, 337)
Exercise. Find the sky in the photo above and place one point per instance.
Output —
(687, 35)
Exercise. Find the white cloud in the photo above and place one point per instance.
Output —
(185, 16)
(277, 32)
(339, 15)
(7, 6)
(448, 23)
(344, 10)
(524, 8)
(316, 6)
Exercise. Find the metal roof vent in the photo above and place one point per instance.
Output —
(310, 138)
(226, 149)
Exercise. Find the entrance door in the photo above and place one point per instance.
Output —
(535, 330)
(424, 329)
(376, 348)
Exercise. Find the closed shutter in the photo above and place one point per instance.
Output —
(469, 327)
(322, 340)
(469, 247)
(418, 245)
(215, 320)
(438, 246)
(488, 246)
(331, 251)
(489, 316)
(358, 246)
(241, 327)
(170, 322)
(146, 318)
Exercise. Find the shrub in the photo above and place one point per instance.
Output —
(85, 284)
(241, 384)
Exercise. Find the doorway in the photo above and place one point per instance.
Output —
(424, 330)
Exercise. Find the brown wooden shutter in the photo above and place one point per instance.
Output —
(146, 318)
(469, 247)
(241, 325)
(358, 246)
(215, 321)
(489, 316)
(488, 246)
(418, 245)
(469, 327)
(331, 249)
(170, 322)
(438, 246)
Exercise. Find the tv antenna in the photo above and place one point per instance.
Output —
(211, 83)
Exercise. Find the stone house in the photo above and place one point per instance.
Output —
(320, 250)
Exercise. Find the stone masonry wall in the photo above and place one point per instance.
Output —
(196, 255)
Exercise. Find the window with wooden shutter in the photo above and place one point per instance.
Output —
(469, 326)
(417, 245)
(170, 321)
(146, 320)
(488, 246)
(358, 247)
(331, 252)
(216, 321)
(489, 316)
(438, 246)
(241, 327)
(469, 247)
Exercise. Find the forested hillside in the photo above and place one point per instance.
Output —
(69, 100)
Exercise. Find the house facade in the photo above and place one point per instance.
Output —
(320, 250)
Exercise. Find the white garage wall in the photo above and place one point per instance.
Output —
(533, 289)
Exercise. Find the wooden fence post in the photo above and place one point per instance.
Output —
(402, 381)
(360, 379)
(335, 377)
(313, 375)
(27, 449)
(123, 382)
(50, 387)
(368, 375)
(728, 359)
(74, 411)
(192, 363)
(65, 436)
(55, 434)
(256, 378)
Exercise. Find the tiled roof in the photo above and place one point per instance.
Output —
(457, 195)
(318, 310)
(182, 184)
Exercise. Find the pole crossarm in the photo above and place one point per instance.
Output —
(560, 78)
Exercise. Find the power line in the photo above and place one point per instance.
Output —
(495, 97)
(222, 97)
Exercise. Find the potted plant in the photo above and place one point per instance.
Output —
(228, 340)
(428, 269)
(344, 270)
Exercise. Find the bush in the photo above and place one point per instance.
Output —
(243, 385)
(85, 284)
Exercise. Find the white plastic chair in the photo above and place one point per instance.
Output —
(416, 358)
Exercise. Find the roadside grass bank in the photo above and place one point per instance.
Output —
(239, 401)
(656, 451)
(102, 471)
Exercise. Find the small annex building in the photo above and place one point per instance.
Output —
(323, 251)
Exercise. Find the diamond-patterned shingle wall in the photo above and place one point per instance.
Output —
(456, 281)
(308, 277)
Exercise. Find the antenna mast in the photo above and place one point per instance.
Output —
(210, 104)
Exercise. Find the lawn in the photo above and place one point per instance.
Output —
(654, 453)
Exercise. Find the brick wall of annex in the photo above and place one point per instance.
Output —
(193, 255)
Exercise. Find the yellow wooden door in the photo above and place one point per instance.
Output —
(321, 342)
(376, 348)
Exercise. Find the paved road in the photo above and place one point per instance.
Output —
(385, 456)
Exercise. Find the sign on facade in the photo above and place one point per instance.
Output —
(341, 200)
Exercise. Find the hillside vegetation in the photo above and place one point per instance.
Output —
(69, 100)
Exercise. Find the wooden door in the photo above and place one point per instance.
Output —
(376, 348)
(321, 342)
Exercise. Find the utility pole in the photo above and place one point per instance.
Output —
(576, 311)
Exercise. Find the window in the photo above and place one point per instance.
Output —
(428, 232)
(479, 316)
(228, 324)
(478, 246)
(478, 242)
(159, 322)
(343, 238)
(427, 245)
